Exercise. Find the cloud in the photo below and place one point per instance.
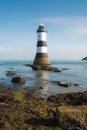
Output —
(16, 53)
(64, 20)
(5, 49)
(81, 31)
(14, 49)
(75, 25)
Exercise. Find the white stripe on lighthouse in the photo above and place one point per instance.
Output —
(41, 49)
(41, 36)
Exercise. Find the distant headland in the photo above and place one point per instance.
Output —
(85, 58)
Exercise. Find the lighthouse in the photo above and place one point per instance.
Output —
(41, 57)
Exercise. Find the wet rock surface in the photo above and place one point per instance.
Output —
(62, 83)
(24, 111)
(47, 68)
(85, 58)
(18, 80)
(74, 99)
(5, 94)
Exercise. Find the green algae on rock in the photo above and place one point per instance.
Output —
(24, 111)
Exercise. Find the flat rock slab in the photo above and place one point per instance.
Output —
(47, 68)
(62, 84)
(10, 73)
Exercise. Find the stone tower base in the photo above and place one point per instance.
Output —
(42, 61)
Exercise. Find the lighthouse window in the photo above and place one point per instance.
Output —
(41, 27)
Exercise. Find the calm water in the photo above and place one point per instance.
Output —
(77, 73)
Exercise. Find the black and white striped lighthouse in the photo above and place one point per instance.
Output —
(41, 57)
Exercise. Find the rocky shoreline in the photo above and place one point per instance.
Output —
(27, 111)
(85, 58)
(24, 111)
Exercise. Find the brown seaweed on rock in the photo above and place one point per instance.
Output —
(74, 99)
(24, 111)
(5, 94)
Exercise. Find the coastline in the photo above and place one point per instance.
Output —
(28, 110)
(23, 110)
(75, 74)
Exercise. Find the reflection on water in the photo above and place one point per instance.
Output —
(77, 73)
(41, 76)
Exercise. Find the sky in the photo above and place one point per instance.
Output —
(65, 20)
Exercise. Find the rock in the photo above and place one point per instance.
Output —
(11, 68)
(54, 69)
(10, 73)
(85, 58)
(73, 98)
(64, 84)
(44, 68)
(65, 68)
(2, 79)
(76, 84)
(56, 116)
(47, 68)
(18, 80)
(5, 94)
(36, 67)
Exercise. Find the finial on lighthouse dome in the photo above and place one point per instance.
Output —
(41, 24)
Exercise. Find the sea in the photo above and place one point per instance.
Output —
(39, 81)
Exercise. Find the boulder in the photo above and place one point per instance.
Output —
(18, 80)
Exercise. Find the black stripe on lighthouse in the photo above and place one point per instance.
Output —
(39, 55)
(41, 43)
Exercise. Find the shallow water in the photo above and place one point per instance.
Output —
(77, 73)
